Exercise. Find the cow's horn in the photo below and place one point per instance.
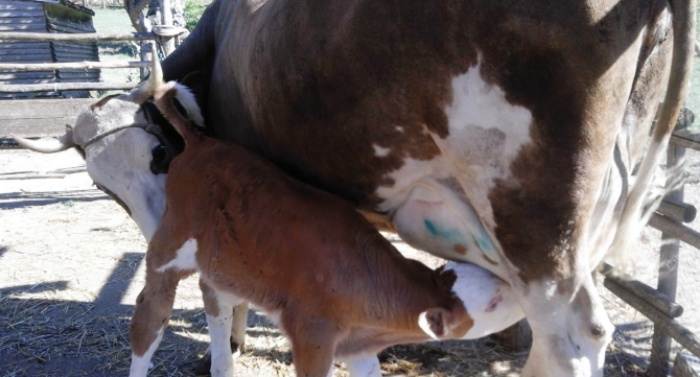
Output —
(48, 145)
(141, 93)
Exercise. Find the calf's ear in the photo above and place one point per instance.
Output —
(440, 323)
(434, 322)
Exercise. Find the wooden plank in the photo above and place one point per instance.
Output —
(686, 139)
(55, 87)
(40, 117)
(682, 368)
(659, 300)
(78, 37)
(74, 65)
(681, 334)
(681, 212)
(675, 229)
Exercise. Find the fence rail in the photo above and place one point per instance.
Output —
(76, 37)
(161, 33)
(658, 304)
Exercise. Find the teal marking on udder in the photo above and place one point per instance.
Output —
(431, 227)
(484, 244)
(452, 235)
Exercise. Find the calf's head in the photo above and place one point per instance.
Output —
(484, 304)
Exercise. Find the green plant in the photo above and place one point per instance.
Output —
(193, 12)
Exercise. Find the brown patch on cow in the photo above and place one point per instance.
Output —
(460, 249)
(542, 211)
(353, 78)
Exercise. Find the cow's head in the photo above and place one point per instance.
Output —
(127, 146)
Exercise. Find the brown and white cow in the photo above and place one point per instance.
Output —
(336, 287)
(514, 134)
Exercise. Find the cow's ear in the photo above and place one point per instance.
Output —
(434, 322)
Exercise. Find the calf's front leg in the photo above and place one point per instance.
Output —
(151, 314)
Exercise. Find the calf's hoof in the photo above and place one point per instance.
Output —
(202, 367)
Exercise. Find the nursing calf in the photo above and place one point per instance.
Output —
(334, 285)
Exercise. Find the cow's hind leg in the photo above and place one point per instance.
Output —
(151, 315)
(220, 317)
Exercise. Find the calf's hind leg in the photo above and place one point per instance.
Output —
(313, 344)
(219, 310)
(151, 315)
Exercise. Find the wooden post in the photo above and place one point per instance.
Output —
(668, 277)
(168, 42)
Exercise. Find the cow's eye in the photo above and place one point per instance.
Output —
(160, 160)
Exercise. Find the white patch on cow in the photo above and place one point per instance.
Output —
(141, 364)
(185, 257)
(362, 365)
(399, 129)
(121, 163)
(490, 301)
(381, 151)
(486, 133)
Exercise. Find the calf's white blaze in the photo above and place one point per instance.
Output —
(185, 257)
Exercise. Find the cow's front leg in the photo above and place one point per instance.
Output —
(151, 315)
(570, 328)
(220, 318)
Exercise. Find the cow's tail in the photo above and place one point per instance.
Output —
(642, 200)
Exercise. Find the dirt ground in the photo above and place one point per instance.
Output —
(71, 267)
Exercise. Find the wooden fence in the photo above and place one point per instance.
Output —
(39, 118)
(658, 304)
(48, 117)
